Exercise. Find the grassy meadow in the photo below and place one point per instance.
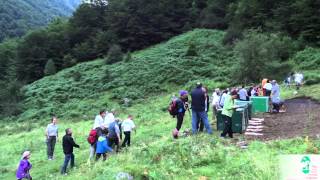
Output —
(147, 80)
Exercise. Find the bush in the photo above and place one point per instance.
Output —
(50, 68)
(114, 55)
(192, 50)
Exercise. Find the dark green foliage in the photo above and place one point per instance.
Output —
(50, 68)
(192, 50)
(128, 57)
(262, 55)
(115, 54)
(19, 16)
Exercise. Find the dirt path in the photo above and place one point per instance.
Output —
(301, 118)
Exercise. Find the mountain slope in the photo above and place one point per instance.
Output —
(19, 16)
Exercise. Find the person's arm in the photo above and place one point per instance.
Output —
(73, 143)
(46, 133)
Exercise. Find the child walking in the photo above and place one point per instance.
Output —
(23, 171)
(127, 125)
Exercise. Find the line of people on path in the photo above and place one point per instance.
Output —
(106, 133)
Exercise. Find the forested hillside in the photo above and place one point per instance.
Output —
(265, 35)
(19, 16)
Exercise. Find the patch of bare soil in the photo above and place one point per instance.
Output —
(302, 118)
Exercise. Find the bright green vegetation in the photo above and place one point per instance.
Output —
(148, 79)
(81, 90)
(20, 16)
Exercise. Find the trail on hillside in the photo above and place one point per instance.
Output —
(302, 118)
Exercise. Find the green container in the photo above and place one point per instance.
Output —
(260, 104)
(239, 121)
(247, 104)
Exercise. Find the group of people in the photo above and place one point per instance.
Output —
(106, 133)
(296, 78)
(221, 100)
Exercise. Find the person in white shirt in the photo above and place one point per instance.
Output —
(52, 136)
(110, 118)
(99, 120)
(243, 94)
(268, 87)
(127, 125)
(298, 78)
(215, 101)
(222, 98)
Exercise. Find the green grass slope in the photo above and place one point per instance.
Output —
(148, 79)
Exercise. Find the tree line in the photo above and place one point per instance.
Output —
(102, 28)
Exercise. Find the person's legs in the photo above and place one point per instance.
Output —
(230, 133)
(201, 125)
(98, 155)
(53, 143)
(204, 117)
(72, 160)
(194, 121)
(48, 148)
(104, 156)
(125, 139)
(67, 158)
(129, 138)
(92, 151)
(214, 112)
(226, 125)
(179, 121)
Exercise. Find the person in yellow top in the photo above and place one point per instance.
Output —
(264, 81)
(227, 113)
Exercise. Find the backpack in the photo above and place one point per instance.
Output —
(92, 138)
(173, 108)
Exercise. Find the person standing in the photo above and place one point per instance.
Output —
(275, 98)
(127, 125)
(102, 146)
(223, 97)
(268, 88)
(263, 83)
(51, 137)
(198, 107)
(227, 113)
(110, 117)
(243, 94)
(114, 135)
(99, 120)
(67, 145)
(298, 78)
(182, 106)
(23, 171)
(215, 102)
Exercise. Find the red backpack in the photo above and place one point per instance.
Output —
(173, 108)
(92, 138)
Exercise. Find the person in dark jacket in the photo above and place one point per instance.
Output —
(200, 125)
(67, 145)
(182, 105)
(198, 106)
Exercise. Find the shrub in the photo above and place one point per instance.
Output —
(114, 55)
(50, 68)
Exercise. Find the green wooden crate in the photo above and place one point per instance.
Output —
(238, 121)
(248, 105)
(260, 104)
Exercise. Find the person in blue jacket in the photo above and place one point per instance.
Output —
(102, 147)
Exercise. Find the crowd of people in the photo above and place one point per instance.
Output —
(105, 136)
(221, 100)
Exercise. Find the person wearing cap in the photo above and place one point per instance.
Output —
(198, 106)
(275, 97)
(23, 171)
(227, 113)
(182, 106)
(51, 136)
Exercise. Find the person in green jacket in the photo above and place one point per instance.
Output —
(227, 112)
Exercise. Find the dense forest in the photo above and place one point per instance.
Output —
(116, 27)
(19, 16)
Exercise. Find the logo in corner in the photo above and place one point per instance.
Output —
(305, 161)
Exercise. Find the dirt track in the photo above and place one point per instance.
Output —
(301, 118)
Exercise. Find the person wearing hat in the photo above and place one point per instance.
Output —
(227, 113)
(182, 106)
(198, 106)
(23, 171)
